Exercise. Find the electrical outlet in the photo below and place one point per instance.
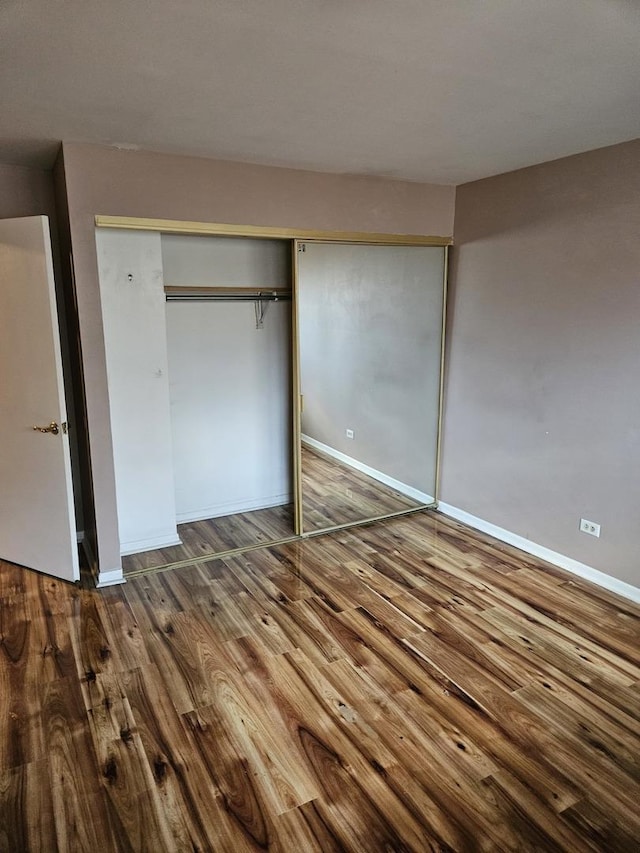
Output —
(349, 433)
(589, 527)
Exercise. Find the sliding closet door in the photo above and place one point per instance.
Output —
(370, 341)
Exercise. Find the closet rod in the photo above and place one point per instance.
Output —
(228, 297)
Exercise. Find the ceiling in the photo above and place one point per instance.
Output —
(444, 91)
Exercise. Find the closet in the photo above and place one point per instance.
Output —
(266, 387)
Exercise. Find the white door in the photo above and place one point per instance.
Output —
(37, 522)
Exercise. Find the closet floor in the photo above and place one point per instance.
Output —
(217, 535)
(332, 494)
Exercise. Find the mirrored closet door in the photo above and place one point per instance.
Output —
(370, 326)
(198, 349)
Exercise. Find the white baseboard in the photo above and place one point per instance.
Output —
(218, 510)
(409, 491)
(573, 566)
(110, 578)
(140, 545)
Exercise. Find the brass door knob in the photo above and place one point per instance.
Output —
(53, 428)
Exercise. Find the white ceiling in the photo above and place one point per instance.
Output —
(429, 90)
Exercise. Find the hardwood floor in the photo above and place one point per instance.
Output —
(407, 686)
(333, 494)
(217, 535)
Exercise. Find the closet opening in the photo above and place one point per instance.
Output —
(198, 335)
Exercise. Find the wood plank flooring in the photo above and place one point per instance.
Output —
(217, 535)
(333, 494)
(406, 686)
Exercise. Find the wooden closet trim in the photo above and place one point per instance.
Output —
(177, 226)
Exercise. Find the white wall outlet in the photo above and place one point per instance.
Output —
(589, 527)
(349, 433)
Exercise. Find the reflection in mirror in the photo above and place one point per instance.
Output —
(370, 338)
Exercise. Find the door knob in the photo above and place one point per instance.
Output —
(53, 428)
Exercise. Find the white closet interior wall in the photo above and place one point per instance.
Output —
(133, 314)
(230, 386)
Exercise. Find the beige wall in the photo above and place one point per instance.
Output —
(542, 419)
(25, 192)
(133, 183)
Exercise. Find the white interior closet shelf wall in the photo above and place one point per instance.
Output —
(133, 313)
(229, 381)
(229, 408)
